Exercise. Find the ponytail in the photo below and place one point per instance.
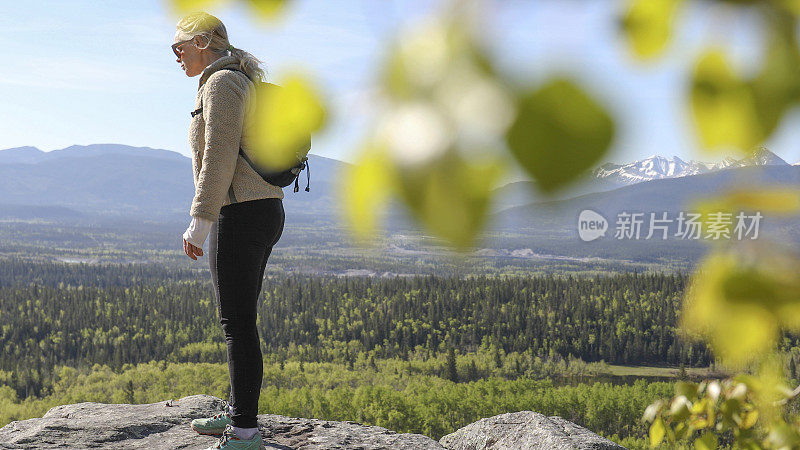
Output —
(248, 63)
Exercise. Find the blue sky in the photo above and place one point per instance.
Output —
(84, 72)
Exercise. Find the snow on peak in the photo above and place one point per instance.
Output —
(656, 167)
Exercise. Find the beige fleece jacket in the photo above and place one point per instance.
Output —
(221, 177)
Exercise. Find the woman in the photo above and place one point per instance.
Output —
(240, 212)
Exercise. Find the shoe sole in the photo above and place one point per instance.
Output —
(208, 432)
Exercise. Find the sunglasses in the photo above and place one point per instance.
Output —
(176, 47)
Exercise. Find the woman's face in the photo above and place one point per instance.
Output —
(190, 57)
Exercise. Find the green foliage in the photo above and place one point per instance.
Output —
(362, 207)
(722, 105)
(744, 411)
(529, 326)
(337, 348)
(452, 372)
(728, 110)
(261, 9)
(708, 414)
(454, 206)
(648, 25)
(559, 133)
(741, 303)
(445, 112)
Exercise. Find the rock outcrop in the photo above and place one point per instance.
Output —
(525, 430)
(165, 425)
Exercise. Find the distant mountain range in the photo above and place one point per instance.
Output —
(671, 195)
(116, 183)
(552, 227)
(612, 176)
(120, 180)
(654, 184)
(32, 155)
(656, 167)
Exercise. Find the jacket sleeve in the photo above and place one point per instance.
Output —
(198, 231)
(223, 113)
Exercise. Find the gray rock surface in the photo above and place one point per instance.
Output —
(157, 426)
(525, 430)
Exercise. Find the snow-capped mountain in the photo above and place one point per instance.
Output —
(656, 167)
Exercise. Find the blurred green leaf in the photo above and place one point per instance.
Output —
(708, 441)
(738, 331)
(749, 420)
(777, 85)
(445, 106)
(559, 133)
(790, 6)
(450, 195)
(730, 409)
(267, 9)
(657, 432)
(722, 105)
(422, 56)
(783, 436)
(184, 6)
(775, 200)
(741, 304)
(652, 411)
(648, 25)
(284, 117)
(364, 187)
(730, 111)
(749, 285)
(687, 389)
(679, 409)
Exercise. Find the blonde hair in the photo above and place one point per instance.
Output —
(216, 38)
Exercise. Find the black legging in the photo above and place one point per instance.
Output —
(240, 243)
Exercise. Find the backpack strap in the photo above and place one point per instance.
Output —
(231, 195)
(308, 175)
(249, 161)
(241, 152)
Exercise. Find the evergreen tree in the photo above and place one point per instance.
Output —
(498, 359)
(472, 371)
(129, 391)
(452, 372)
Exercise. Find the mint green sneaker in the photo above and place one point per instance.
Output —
(230, 441)
(213, 426)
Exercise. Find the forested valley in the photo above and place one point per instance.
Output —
(420, 354)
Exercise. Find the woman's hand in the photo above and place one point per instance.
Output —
(197, 232)
(192, 251)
